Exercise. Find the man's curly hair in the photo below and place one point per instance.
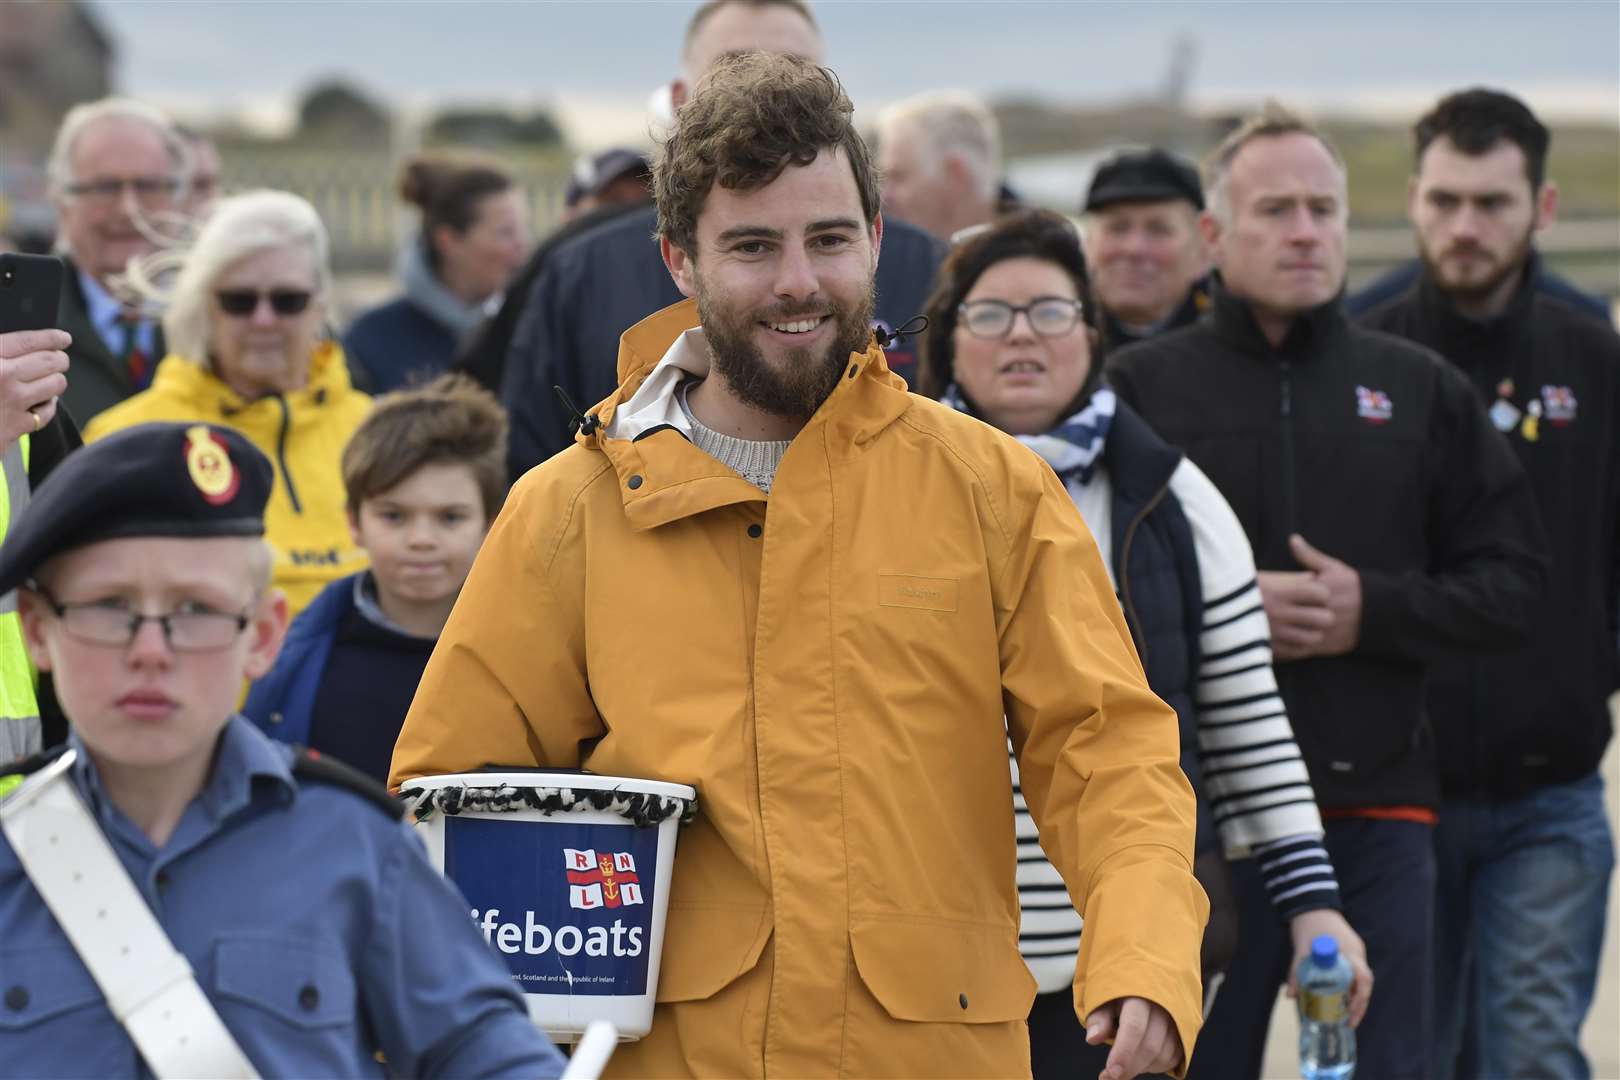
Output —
(753, 115)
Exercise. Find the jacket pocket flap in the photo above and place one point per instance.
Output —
(941, 970)
(707, 949)
(39, 983)
(305, 983)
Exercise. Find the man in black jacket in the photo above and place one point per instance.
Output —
(117, 171)
(1524, 844)
(1147, 260)
(595, 287)
(1391, 525)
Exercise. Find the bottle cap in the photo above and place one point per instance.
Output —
(1324, 950)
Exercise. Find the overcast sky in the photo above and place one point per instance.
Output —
(597, 62)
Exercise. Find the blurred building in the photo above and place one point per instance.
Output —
(53, 55)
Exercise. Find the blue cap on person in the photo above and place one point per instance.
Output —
(185, 480)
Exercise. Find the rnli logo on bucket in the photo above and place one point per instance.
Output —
(568, 906)
(605, 880)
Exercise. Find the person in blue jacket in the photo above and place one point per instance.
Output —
(425, 475)
(474, 236)
(304, 912)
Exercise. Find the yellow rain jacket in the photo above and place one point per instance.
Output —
(830, 668)
(303, 435)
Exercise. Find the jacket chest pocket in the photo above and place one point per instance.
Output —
(53, 1018)
(301, 984)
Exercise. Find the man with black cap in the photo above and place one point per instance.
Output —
(1149, 267)
(612, 177)
(241, 909)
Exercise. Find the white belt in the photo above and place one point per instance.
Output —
(147, 983)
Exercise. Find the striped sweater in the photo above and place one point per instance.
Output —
(1255, 782)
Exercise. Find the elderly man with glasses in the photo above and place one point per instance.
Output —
(116, 179)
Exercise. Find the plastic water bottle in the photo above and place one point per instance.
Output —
(1327, 1042)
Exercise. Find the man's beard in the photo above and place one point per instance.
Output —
(1498, 270)
(796, 389)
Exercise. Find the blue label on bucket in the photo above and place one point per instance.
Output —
(568, 906)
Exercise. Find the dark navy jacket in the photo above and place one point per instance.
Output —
(281, 703)
(1156, 569)
(396, 345)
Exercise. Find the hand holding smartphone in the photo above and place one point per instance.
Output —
(33, 365)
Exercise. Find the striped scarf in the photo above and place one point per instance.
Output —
(1074, 446)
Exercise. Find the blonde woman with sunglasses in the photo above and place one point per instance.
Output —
(245, 323)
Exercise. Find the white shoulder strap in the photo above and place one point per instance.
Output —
(147, 983)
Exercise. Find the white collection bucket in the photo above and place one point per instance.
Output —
(567, 875)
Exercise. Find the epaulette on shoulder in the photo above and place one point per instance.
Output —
(312, 765)
(11, 775)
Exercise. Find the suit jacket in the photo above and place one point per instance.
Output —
(96, 379)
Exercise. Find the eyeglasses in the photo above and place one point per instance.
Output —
(1049, 316)
(194, 628)
(147, 189)
(242, 303)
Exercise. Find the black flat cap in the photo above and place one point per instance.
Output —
(1144, 176)
(186, 480)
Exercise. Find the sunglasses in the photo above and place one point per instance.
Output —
(244, 302)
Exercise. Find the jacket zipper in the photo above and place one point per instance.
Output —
(281, 453)
(1286, 412)
(1123, 567)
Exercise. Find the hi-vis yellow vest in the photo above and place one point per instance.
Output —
(19, 707)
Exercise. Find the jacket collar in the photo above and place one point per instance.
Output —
(673, 479)
(1312, 330)
(1194, 304)
(1462, 338)
(192, 381)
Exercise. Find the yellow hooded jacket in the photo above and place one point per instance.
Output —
(830, 667)
(303, 435)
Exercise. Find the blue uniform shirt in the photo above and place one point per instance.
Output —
(313, 922)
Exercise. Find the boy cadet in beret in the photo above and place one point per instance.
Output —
(179, 895)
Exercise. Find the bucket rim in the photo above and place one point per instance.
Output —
(549, 781)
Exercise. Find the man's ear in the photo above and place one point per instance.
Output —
(1412, 198)
(266, 633)
(1546, 204)
(1209, 229)
(877, 239)
(31, 611)
(680, 265)
(678, 93)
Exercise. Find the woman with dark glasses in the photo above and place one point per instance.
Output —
(1009, 341)
(246, 327)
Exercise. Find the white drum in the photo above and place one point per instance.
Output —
(567, 875)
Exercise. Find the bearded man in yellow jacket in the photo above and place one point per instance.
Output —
(766, 570)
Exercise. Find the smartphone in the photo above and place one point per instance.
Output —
(30, 290)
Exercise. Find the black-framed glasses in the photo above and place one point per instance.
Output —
(242, 303)
(1049, 316)
(193, 628)
(147, 189)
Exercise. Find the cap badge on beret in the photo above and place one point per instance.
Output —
(209, 463)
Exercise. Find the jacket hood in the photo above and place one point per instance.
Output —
(662, 476)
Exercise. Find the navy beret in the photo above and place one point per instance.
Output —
(187, 480)
(1144, 176)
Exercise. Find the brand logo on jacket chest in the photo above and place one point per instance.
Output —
(1374, 406)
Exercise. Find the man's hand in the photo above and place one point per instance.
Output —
(1296, 606)
(33, 375)
(1305, 926)
(1343, 585)
(1145, 1038)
